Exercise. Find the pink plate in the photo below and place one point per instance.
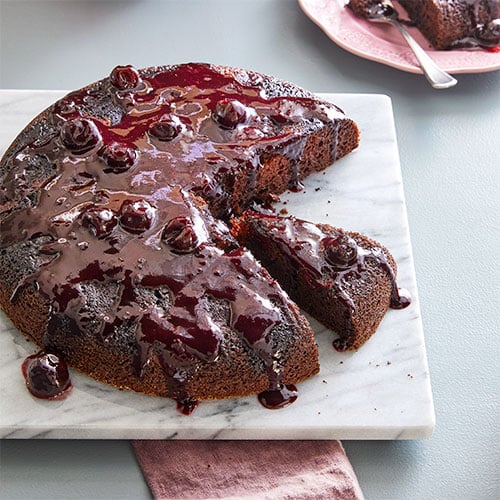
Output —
(383, 43)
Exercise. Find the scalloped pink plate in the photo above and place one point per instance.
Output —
(383, 43)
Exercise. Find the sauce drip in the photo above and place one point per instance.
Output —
(187, 406)
(279, 397)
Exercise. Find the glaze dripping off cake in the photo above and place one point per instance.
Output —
(343, 279)
(447, 24)
(115, 256)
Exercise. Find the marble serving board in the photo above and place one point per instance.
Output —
(382, 391)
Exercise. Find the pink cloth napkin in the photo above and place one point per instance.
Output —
(247, 469)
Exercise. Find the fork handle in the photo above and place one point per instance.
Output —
(438, 78)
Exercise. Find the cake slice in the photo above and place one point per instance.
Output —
(343, 279)
(447, 24)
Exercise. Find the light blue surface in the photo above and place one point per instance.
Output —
(449, 146)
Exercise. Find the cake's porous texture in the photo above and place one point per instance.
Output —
(114, 253)
(447, 24)
(343, 279)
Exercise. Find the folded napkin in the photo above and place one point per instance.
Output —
(247, 469)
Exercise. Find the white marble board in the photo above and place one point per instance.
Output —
(382, 391)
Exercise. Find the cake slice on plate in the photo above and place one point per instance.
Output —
(447, 24)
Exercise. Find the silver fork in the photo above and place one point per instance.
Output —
(384, 12)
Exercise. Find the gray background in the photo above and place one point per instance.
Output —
(449, 144)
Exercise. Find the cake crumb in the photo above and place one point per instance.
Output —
(324, 382)
(388, 363)
(341, 363)
(317, 189)
(283, 211)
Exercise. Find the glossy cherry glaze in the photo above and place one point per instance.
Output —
(112, 216)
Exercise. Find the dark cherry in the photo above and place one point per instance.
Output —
(275, 399)
(119, 157)
(340, 251)
(179, 233)
(136, 216)
(64, 107)
(80, 135)
(124, 77)
(229, 113)
(281, 113)
(99, 221)
(166, 129)
(46, 375)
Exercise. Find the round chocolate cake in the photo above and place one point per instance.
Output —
(115, 255)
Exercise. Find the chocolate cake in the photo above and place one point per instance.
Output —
(447, 24)
(114, 255)
(343, 279)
